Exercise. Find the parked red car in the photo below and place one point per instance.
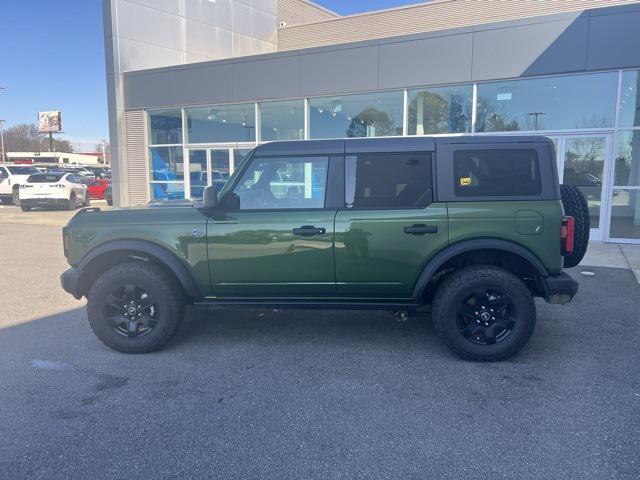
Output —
(97, 188)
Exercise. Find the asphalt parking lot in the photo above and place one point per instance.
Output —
(272, 394)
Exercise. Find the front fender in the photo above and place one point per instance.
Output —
(142, 247)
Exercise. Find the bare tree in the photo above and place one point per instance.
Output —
(26, 138)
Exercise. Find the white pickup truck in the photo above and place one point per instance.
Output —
(11, 177)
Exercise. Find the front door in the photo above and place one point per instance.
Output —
(584, 161)
(272, 235)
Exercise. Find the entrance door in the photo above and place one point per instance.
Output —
(198, 172)
(212, 166)
(584, 161)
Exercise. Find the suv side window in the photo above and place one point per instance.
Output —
(388, 180)
(3, 173)
(496, 172)
(283, 183)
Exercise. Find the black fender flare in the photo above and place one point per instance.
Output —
(468, 246)
(168, 259)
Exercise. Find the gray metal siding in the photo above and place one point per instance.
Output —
(439, 59)
(535, 46)
(534, 49)
(427, 17)
(614, 40)
(339, 71)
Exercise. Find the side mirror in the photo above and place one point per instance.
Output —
(210, 197)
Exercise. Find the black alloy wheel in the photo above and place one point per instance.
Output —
(487, 317)
(131, 311)
(484, 312)
(136, 307)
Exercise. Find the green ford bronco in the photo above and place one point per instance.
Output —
(470, 228)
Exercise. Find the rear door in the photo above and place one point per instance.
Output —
(389, 226)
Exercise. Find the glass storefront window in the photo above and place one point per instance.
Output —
(625, 214)
(166, 164)
(627, 163)
(220, 167)
(165, 127)
(167, 190)
(630, 100)
(282, 120)
(366, 115)
(440, 110)
(552, 103)
(222, 123)
(197, 172)
(584, 167)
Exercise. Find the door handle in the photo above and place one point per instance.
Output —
(420, 229)
(309, 231)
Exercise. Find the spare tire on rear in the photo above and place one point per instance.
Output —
(576, 206)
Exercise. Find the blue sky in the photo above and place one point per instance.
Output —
(52, 58)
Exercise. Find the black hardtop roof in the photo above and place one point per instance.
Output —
(386, 144)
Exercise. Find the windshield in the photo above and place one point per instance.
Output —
(23, 170)
(45, 178)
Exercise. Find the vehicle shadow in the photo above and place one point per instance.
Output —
(378, 329)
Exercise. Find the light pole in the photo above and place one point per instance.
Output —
(535, 115)
(2, 141)
(2, 137)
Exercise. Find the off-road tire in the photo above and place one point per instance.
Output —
(162, 286)
(72, 203)
(464, 282)
(87, 200)
(576, 206)
(25, 208)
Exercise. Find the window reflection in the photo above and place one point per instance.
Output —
(578, 101)
(367, 115)
(166, 127)
(222, 123)
(283, 183)
(630, 99)
(627, 163)
(584, 167)
(440, 110)
(282, 120)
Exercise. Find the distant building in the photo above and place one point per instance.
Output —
(194, 84)
(60, 158)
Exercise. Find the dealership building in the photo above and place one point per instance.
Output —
(193, 85)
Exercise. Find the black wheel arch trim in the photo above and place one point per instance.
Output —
(168, 259)
(468, 246)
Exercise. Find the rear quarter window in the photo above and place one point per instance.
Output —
(496, 173)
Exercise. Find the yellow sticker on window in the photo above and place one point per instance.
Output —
(464, 181)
